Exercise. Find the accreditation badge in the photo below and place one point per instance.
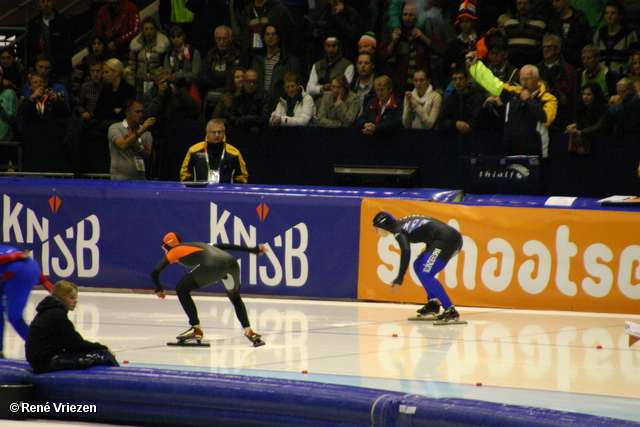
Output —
(139, 164)
(214, 176)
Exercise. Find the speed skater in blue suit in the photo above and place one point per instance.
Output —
(442, 241)
(19, 273)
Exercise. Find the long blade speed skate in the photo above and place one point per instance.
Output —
(189, 344)
(429, 312)
(450, 322)
(188, 337)
(256, 339)
(431, 317)
(450, 317)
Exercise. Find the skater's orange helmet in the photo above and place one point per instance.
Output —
(170, 240)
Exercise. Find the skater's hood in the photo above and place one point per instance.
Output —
(50, 302)
(384, 220)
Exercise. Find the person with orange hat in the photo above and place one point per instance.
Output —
(368, 43)
(466, 41)
(210, 263)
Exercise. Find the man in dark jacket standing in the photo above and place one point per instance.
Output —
(217, 64)
(530, 108)
(623, 117)
(461, 109)
(574, 28)
(51, 32)
(273, 64)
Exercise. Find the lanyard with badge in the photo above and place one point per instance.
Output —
(148, 83)
(259, 15)
(213, 174)
(139, 160)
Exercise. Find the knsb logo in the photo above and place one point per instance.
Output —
(287, 257)
(73, 252)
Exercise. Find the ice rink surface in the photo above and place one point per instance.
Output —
(578, 362)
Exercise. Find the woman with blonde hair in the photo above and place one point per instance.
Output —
(53, 344)
(115, 92)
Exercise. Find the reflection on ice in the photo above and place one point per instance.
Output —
(511, 352)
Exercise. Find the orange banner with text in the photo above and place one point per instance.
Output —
(528, 258)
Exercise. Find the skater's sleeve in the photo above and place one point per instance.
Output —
(4, 259)
(155, 274)
(405, 257)
(46, 283)
(237, 248)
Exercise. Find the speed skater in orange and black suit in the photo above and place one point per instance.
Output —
(209, 263)
(442, 242)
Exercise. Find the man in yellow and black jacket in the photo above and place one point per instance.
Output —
(530, 108)
(213, 159)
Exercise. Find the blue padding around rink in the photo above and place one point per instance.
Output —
(542, 202)
(155, 397)
(437, 195)
(429, 194)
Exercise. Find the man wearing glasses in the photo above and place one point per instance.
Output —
(214, 160)
(217, 64)
(250, 108)
(530, 108)
(561, 78)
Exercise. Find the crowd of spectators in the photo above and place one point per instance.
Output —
(524, 67)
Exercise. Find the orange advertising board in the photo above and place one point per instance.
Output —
(527, 258)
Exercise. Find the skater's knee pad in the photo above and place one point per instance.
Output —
(231, 283)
